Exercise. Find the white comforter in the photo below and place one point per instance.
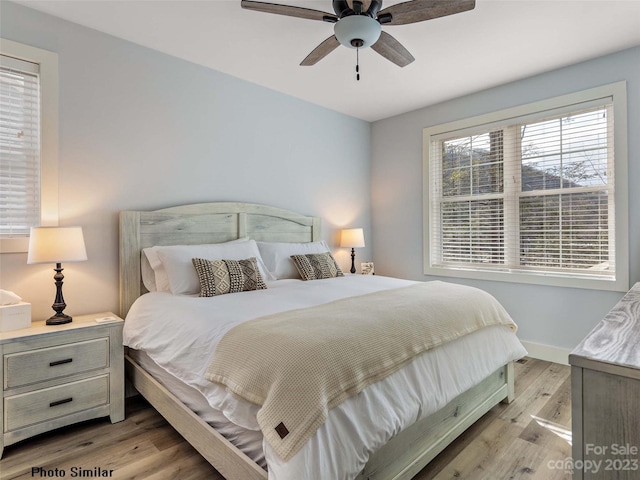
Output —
(180, 333)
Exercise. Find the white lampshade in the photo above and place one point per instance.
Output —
(352, 238)
(56, 245)
(357, 27)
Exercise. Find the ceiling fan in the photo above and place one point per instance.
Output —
(358, 23)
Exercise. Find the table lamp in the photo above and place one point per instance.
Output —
(57, 245)
(352, 238)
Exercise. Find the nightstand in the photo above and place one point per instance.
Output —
(56, 375)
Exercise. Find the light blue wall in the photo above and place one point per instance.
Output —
(140, 129)
(143, 130)
(557, 317)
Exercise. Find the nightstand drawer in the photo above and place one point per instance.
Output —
(34, 366)
(49, 403)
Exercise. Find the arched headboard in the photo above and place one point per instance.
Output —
(198, 224)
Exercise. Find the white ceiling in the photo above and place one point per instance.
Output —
(497, 42)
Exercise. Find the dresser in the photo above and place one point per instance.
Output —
(605, 395)
(56, 375)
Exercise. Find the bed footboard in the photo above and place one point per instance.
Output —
(217, 450)
(402, 458)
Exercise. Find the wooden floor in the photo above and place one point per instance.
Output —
(522, 440)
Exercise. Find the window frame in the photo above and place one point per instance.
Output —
(48, 62)
(557, 105)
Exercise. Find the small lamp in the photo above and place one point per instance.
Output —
(57, 245)
(352, 238)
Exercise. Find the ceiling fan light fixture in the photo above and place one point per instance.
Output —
(357, 31)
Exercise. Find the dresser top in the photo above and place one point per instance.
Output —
(616, 339)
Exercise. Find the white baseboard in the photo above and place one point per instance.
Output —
(547, 352)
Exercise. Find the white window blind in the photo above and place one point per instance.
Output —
(19, 147)
(529, 194)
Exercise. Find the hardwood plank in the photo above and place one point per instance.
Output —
(534, 396)
(553, 467)
(521, 460)
(180, 461)
(552, 424)
(115, 458)
(527, 370)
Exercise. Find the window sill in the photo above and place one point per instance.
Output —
(547, 279)
(14, 245)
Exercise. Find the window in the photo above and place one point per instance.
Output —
(530, 194)
(28, 142)
(19, 146)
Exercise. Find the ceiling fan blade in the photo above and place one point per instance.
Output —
(392, 50)
(321, 51)
(421, 10)
(289, 11)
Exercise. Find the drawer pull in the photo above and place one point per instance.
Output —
(60, 362)
(60, 402)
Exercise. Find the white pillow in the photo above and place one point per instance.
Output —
(277, 256)
(154, 275)
(182, 276)
(148, 275)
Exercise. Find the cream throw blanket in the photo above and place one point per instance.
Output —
(300, 363)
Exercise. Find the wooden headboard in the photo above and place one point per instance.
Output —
(198, 224)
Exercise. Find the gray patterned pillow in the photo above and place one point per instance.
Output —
(218, 277)
(314, 266)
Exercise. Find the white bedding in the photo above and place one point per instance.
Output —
(179, 334)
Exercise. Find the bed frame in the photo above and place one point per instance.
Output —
(400, 459)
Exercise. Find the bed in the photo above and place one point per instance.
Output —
(241, 453)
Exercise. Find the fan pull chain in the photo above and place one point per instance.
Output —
(358, 64)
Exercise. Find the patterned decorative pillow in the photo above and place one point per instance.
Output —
(314, 266)
(218, 277)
